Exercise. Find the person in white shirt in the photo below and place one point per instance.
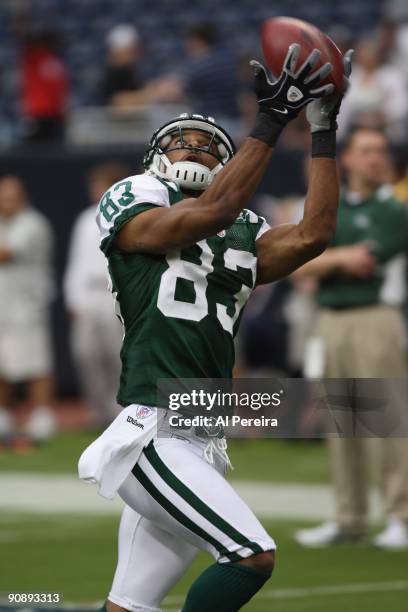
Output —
(26, 289)
(96, 333)
(378, 95)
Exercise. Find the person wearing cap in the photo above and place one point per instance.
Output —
(121, 75)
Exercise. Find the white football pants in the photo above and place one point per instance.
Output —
(178, 503)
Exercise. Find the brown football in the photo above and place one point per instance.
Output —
(280, 32)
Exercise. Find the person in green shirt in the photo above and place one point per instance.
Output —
(361, 333)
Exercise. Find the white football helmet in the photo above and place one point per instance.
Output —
(188, 174)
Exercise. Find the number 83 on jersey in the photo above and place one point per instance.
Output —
(198, 276)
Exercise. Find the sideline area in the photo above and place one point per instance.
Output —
(64, 493)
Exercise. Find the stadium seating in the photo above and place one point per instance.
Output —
(84, 26)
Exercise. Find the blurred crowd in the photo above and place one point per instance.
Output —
(204, 71)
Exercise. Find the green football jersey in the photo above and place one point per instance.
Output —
(181, 310)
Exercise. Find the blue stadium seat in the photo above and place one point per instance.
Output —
(84, 25)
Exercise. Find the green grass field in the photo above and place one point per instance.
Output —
(76, 554)
(261, 460)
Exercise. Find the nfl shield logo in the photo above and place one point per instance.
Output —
(142, 412)
(221, 234)
(294, 94)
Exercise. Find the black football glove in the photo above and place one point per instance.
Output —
(322, 113)
(284, 98)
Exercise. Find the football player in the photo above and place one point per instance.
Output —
(184, 255)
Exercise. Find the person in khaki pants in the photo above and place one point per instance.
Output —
(95, 333)
(362, 336)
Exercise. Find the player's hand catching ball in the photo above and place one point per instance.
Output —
(322, 114)
(284, 98)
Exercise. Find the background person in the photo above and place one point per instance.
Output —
(378, 93)
(210, 79)
(207, 80)
(44, 87)
(121, 74)
(26, 288)
(362, 334)
(96, 334)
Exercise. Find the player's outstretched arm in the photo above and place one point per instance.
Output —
(163, 229)
(160, 230)
(285, 248)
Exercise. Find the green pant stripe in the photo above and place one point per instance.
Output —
(180, 516)
(195, 502)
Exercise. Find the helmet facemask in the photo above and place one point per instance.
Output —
(189, 175)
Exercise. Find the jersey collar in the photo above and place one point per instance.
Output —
(354, 199)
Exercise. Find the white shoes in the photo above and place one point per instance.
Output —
(7, 423)
(394, 536)
(325, 535)
(41, 424)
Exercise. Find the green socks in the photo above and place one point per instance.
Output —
(223, 587)
(104, 608)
